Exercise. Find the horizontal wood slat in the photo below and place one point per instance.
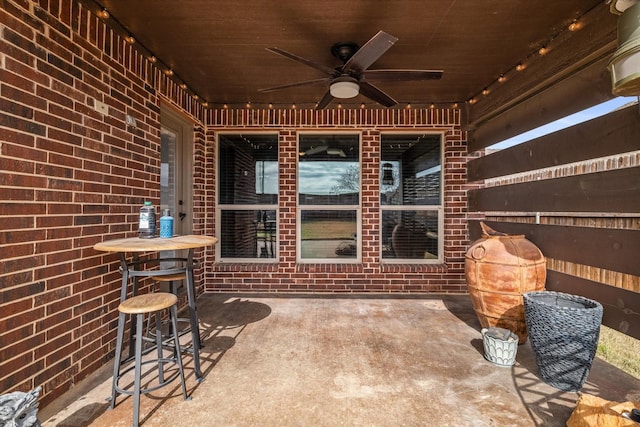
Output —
(621, 308)
(608, 191)
(572, 52)
(588, 87)
(618, 132)
(610, 249)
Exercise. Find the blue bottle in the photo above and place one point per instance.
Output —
(166, 225)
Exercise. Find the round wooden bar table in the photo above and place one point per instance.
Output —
(135, 269)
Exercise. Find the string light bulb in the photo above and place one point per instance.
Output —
(293, 106)
(432, 106)
(502, 78)
(169, 72)
(104, 14)
(153, 59)
(574, 26)
(225, 106)
(520, 67)
(471, 101)
(362, 106)
(543, 50)
(130, 39)
(485, 91)
(270, 105)
(183, 85)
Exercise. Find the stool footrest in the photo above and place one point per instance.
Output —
(148, 389)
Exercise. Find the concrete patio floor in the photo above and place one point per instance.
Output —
(313, 360)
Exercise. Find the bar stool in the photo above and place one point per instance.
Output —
(173, 280)
(139, 306)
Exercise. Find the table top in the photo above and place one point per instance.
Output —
(136, 244)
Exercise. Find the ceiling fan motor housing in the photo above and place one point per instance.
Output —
(344, 50)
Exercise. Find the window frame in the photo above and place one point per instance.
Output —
(300, 208)
(220, 207)
(439, 208)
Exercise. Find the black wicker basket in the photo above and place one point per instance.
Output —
(563, 330)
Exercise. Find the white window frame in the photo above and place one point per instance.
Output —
(299, 209)
(225, 207)
(436, 208)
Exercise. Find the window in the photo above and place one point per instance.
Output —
(411, 197)
(328, 198)
(247, 208)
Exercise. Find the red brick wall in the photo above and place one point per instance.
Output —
(370, 275)
(71, 176)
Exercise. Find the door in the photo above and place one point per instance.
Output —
(176, 154)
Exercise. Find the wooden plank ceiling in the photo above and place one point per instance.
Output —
(218, 48)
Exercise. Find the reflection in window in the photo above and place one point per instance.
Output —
(328, 196)
(328, 234)
(247, 196)
(248, 233)
(411, 197)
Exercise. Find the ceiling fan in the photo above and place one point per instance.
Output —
(354, 77)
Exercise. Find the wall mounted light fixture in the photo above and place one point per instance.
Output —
(625, 63)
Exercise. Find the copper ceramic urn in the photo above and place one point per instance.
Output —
(499, 269)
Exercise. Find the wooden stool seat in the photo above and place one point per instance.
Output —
(148, 303)
(170, 277)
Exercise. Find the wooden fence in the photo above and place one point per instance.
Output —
(576, 195)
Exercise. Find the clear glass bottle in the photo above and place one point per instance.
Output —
(147, 221)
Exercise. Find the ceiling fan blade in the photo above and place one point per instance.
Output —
(336, 152)
(304, 83)
(323, 68)
(375, 94)
(315, 150)
(326, 99)
(401, 75)
(369, 53)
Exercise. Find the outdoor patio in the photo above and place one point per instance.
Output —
(314, 360)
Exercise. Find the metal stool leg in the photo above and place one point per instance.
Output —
(138, 370)
(159, 346)
(178, 355)
(195, 329)
(117, 357)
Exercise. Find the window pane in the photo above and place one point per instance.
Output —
(410, 170)
(410, 234)
(329, 170)
(328, 234)
(248, 234)
(248, 169)
(168, 143)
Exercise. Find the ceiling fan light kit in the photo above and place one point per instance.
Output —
(344, 87)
